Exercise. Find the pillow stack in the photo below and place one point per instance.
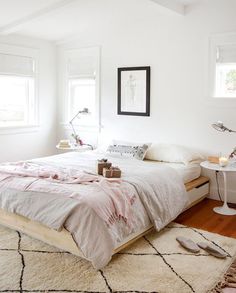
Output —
(161, 152)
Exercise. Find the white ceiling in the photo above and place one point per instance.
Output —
(59, 19)
(186, 2)
(12, 10)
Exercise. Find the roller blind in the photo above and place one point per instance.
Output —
(83, 66)
(16, 65)
(226, 54)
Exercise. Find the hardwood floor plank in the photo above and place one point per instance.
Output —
(203, 217)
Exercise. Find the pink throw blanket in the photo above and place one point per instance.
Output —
(111, 199)
(63, 175)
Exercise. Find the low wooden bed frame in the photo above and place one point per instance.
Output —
(198, 189)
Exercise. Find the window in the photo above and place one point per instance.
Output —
(82, 78)
(16, 101)
(82, 94)
(226, 80)
(17, 88)
(223, 66)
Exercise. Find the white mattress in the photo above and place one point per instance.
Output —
(187, 172)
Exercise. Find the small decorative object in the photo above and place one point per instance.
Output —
(103, 163)
(223, 161)
(112, 172)
(213, 160)
(134, 91)
(76, 137)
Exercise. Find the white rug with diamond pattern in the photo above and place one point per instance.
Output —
(155, 263)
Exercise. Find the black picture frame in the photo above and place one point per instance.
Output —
(146, 112)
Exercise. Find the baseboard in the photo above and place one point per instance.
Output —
(231, 194)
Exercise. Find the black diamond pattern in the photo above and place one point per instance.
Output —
(110, 290)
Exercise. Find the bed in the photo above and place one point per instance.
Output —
(196, 186)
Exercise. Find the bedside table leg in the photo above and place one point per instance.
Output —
(225, 210)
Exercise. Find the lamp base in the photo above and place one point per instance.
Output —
(225, 210)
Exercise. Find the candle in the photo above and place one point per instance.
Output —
(223, 161)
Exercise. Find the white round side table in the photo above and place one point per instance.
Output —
(223, 210)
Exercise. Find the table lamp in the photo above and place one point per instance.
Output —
(85, 111)
(219, 126)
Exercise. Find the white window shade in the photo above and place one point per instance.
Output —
(226, 54)
(16, 65)
(81, 67)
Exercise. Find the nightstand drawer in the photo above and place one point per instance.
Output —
(199, 191)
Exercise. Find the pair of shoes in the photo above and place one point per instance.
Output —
(195, 247)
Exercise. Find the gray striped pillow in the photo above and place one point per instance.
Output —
(137, 152)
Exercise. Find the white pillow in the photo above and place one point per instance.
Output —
(172, 153)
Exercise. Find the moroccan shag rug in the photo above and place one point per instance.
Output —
(155, 263)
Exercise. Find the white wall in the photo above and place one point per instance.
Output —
(20, 146)
(176, 48)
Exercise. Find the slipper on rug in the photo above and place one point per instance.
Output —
(188, 244)
(212, 249)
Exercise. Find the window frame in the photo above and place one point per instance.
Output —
(216, 41)
(29, 53)
(66, 55)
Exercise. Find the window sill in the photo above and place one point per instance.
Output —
(7, 130)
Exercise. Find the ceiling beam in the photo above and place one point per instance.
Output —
(17, 24)
(171, 5)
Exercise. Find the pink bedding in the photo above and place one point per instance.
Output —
(114, 202)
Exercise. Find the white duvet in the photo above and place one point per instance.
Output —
(160, 198)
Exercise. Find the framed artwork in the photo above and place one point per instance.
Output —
(134, 91)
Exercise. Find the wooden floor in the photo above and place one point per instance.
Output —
(202, 216)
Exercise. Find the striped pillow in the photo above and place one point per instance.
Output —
(137, 152)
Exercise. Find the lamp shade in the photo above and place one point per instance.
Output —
(219, 126)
